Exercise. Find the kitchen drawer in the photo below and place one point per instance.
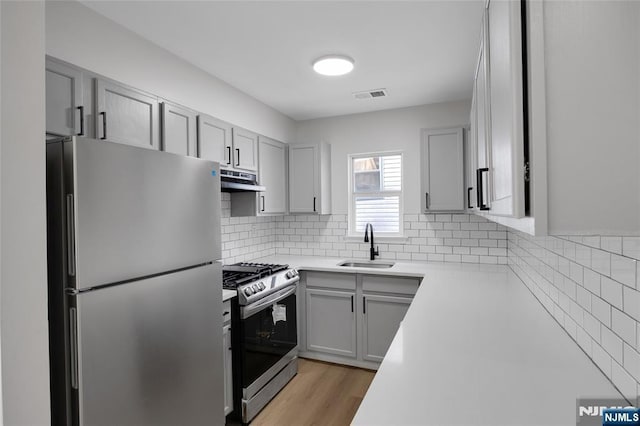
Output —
(331, 280)
(226, 311)
(386, 284)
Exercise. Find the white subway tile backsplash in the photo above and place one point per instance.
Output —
(623, 269)
(632, 361)
(591, 241)
(592, 326)
(576, 272)
(611, 244)
(592, 281)
(631, 247)
(602, 359)
(589, 285)
(601, 262)
(624, 326)
(631, 302)
(623, 381)
(611, 291)
(611, 343)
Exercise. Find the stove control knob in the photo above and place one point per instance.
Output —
(292, 273)
(248, 291)
(255, 288)
(261, 285)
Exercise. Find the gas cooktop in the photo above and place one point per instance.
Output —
(242, 273)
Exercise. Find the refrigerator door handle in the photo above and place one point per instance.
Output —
(73, 339)
(71, 237)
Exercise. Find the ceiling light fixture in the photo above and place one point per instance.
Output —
(333, 65)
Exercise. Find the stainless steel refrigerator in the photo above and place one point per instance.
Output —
(135, 300)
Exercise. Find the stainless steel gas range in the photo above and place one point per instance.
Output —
(264, 333)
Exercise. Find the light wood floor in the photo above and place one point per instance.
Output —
(320, 394)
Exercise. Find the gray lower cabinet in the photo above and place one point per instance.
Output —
(178, 130)
(126, 115)
(65, 112)
(331, 322)
(382, 316)
(352, 318)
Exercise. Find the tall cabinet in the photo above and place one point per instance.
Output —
(310, 178)
(497, 116)
(442, 170)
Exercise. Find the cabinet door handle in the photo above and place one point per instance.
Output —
(237, 156)
(480, 189)
(364, 305)
(314, 204)
(426, 201)
(104, 125)
(351, 303)
(262, 209)
(228, 155)
(81, 109)
(469, 206)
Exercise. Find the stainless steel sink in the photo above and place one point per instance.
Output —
(366, 264)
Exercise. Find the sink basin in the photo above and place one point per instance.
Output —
(366, 264)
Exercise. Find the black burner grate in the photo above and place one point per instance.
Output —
(245, 272)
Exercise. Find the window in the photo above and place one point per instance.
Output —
(376, 193)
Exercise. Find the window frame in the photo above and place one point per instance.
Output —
(351, 216)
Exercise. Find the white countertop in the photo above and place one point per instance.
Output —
(228, 294)
(475, 348)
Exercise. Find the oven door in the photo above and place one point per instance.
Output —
(269, 335)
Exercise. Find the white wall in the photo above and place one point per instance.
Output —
(593, 110)
(25, 349)
(77, 34)
(397, 129)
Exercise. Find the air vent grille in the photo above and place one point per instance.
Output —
(369, 94)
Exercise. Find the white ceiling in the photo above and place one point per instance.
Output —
(422, 52)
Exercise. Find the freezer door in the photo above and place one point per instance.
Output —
(139, 212)
(149, 351)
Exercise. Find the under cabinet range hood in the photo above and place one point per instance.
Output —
(233, 181)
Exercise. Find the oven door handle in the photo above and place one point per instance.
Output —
(247, 311)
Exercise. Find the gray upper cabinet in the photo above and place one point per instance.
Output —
(310, 178)
(214, 140)
(178, 130)
(245, 150)
(65, 113)
(506, 112)
(482, 157)
(273, 176)
(126, 115)
(443, 170)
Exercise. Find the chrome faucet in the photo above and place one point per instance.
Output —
(372, 252)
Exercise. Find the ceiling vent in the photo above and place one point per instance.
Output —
(368, 94)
